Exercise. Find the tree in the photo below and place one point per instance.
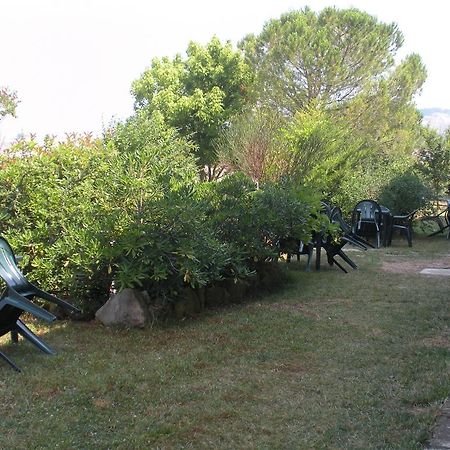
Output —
(319, 149)
(404, 193)
(434, 160)
(251, 144)
(333, 76)
(383, 116)
(198, 94)
(8, 102)
(327, 58)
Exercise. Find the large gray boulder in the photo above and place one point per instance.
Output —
(127, 308)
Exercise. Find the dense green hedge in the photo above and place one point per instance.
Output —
(53, 213)
(130, 210)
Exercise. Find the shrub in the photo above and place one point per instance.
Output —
(368, 180)
(254, 220)
(131, 210)
(433, 160)
(405, 193)
(53, 213)
(318, 149)
(251, 143)
(78, 211)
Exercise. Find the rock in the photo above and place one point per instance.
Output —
(127, 308)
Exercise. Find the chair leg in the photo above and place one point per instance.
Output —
(340, 267)
(347, 259)
(14, 336)
(30, 336)
(409, 236)
(310, 252)
(318, 252)
(5, 358)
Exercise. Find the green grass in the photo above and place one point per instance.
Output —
(356, 361)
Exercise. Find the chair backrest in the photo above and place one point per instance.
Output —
(326, 208)
(9, 271)
(367, 210)
(336, 217)
(412, 214)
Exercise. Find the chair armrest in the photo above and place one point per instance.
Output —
(405, 216)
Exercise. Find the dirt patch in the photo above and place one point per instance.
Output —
(48, 393)
(408, 266)
(101, 403)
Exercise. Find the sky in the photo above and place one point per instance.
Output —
(72, 62)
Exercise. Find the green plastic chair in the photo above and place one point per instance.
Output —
(17, 299)
(367, 215)
(404, 225)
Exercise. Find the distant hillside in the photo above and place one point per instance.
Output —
(436, 118)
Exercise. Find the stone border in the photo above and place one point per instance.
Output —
(435, 271)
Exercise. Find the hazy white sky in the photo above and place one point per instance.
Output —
(72, 61)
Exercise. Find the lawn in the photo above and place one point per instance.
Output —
(356, 361)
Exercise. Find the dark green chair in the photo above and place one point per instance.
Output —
(17, 299)
(337, 217)
(442, 220)
(404, 225)
(367, 217)
(334, 246)
(292, 246)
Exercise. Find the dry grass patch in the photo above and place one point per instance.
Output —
(408, 266)
(414, 262)
(442, 340)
